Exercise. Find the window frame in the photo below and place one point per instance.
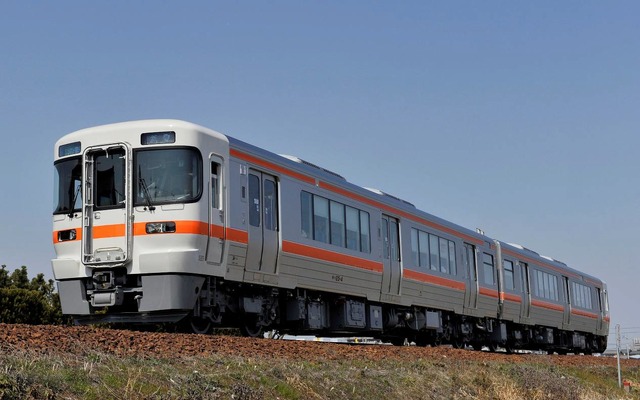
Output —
(142, 201)
(485, 268)
(422, 255)
(509, 272)
(350, 217)
(119, 190)
(59, 189)
(547, 285)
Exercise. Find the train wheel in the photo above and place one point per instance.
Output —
(249, 326)
(458, 343)
(422, 340)
(200, 325)
(509, 348)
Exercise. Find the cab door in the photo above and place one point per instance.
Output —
(264, 241)
(106, 227)
(216, 211)
(392, 269)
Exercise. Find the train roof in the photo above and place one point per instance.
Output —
(137, 127)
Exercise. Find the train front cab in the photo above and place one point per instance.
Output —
(139, 219)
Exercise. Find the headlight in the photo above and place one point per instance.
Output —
(67, 235)
(161, 227)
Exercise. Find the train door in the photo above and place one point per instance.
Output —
(106, 231)
(262, 251)
(471, 272)
(567, 308)
(392, 271)
(526, 292)
(603, 304)
(216, 212)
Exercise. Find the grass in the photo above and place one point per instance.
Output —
(25, 375)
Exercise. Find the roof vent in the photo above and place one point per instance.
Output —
(381, 193)
(553, 259)
(521, 247)
(301, 161)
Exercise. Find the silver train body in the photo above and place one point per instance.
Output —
(167, 221)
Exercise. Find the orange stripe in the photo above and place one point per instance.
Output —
(404, 214)
(434, 280)
(108, 231)
(216, 231)
(273, 167)
(488, 292)
(140, 228)
(236, 235)
(584, 314)
(549, 306)
(184, 227)
(325, 255)
(512, 297)
(192, 227)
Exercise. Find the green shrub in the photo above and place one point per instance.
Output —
(24, 301)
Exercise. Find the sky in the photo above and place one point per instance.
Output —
(520, 118)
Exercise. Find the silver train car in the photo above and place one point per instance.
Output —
(167, 221)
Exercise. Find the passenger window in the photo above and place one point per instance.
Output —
(453, 269)
(423, 240)
(215, 189)
(433, 251)
(509, 281)
(332, 222)
(270, 205)
(385, 239)
(444, 256)
(321, 219)
(337, 224)
(365, 237)
(254, 198)
(306, 207)
(487, 262)
(395, 241)
(353, 229)
(415, 251)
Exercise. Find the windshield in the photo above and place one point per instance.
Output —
(67, 186)
(167, 176)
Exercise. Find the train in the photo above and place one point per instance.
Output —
(166, 221)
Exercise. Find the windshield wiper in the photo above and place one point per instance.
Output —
(73, 202)
(147, 196)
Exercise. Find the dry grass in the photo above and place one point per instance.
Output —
(25, 375)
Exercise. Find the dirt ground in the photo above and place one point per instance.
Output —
(84, 340)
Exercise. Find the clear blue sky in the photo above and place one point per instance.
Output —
(520, 118)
